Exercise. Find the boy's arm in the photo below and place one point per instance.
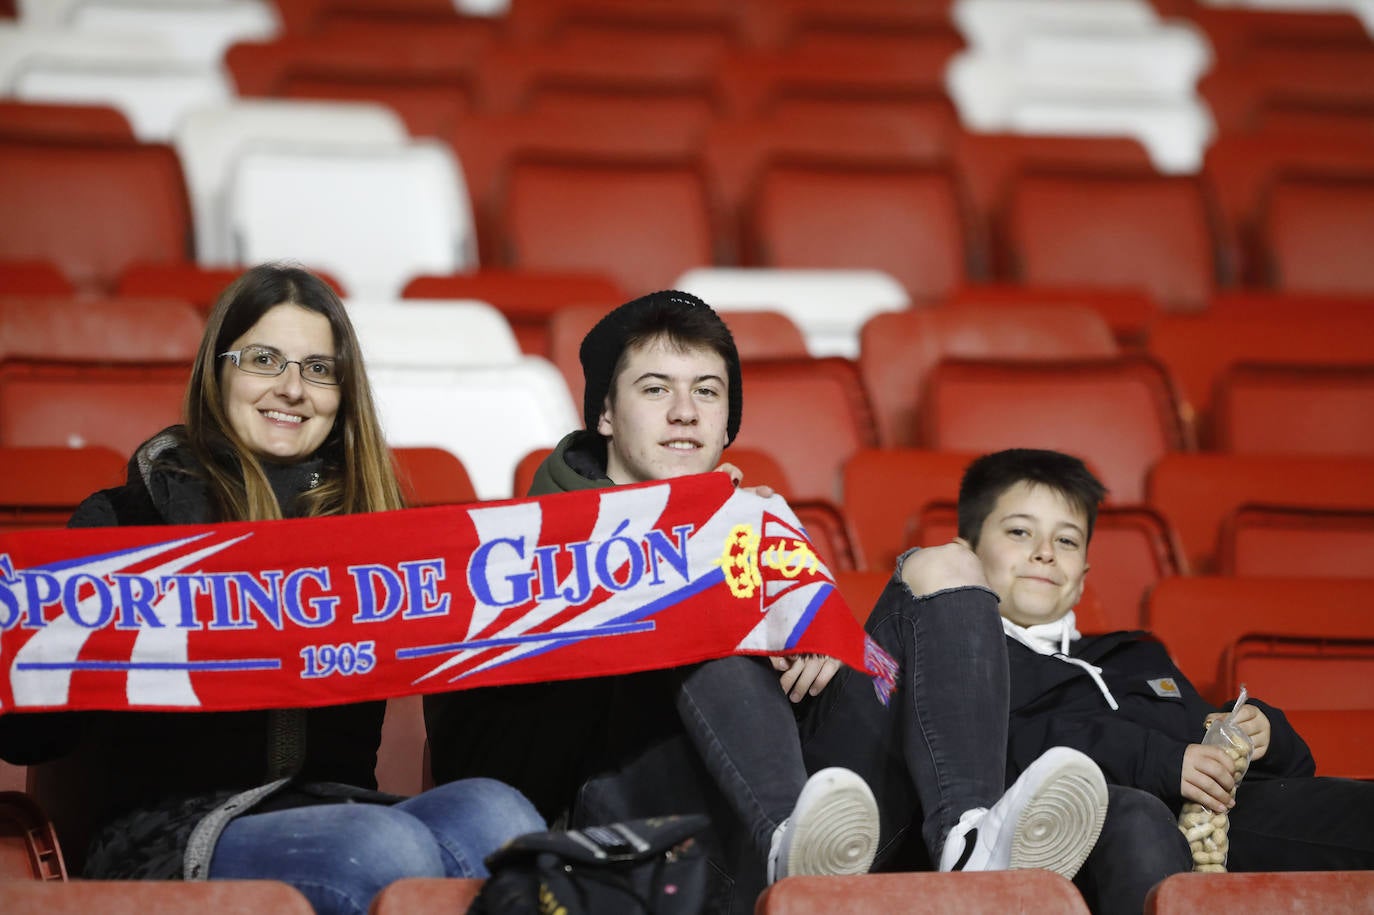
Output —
(1128, 753)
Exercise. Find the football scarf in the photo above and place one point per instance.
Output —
(321, 611)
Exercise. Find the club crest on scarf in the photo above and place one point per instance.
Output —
(328, 610)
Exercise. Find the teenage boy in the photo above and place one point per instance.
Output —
(1028, 516)
(791, 746)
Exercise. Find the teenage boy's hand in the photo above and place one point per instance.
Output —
(1254, 723)
(938, 568)
(737, 477)
(804, 675)
(1208, 777)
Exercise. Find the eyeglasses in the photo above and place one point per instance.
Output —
(259, 360)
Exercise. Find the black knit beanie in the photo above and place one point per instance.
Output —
(646, 315)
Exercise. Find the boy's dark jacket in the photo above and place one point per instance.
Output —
(1141, 745)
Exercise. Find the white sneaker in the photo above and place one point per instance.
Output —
(1050, 818)
(833, 828)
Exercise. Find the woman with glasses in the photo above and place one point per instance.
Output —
(280, 423)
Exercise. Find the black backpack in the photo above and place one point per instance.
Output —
(632, 868)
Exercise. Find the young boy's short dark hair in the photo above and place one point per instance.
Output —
(987, 477)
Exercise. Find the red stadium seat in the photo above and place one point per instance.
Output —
(884, 488)
(861, 589)
(1318, 73)
(592, 215)
(40, 487)
(789, 400)
(1292, 891)
(1237, 32)
(905, 220)
(1120, 414)
(989, 162)
(1338, 739)
(1127, 312)
(1334, 543)
(898, 349)
(428, 105)
(33, 278)
(1316, 231)
(488, 144)
(1199, 618)
(751, 82)
(1266, 409)
(1240, 168)
(923, 894)
(142, 897)
(1121, 230)
(41, 121)
(69, 204)
(425, 894)
(1304, 673)
(201, 286)
(432, 476)
(1198, 349)
(1195, 492)
(525, 469)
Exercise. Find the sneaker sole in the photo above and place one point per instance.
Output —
(1060, 824)
(839, 835)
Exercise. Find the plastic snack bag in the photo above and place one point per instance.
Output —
(1205, 831)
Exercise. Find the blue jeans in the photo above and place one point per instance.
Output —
(936, 749)
(341, 855)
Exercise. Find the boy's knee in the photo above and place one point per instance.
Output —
(383, 844)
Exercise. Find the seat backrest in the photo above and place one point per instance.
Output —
(40, 487)
(488, 144)
(68, 203)
(641, 223)
(1118, 414)
(1195, 492)
(1344, 891)
(898, 349)
(988, 162)
(828, 305)
(528, 298)
(907, 221)
(1240, 167)
(425, 894)
(428, 105)
(1124, 230)
(98, 330)
(884, 488)
(1198, 349)
(1200, 617)
(191, 282)
(87, 123)
(433, 333)
(1334, 543)
(923, 893)
(525, 469)
(1304, 673)
(153, 96)
(751, 82)
(1316, 230)
(1262, 409)
(489, 416)
(432, 476)
(789, 400)
(1336, 738)
(1128, 312)
(210, 139)
(140, 897)
(33, 277)
(195, 33)
(374, 218)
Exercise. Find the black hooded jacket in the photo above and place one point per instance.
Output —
(1141, 744)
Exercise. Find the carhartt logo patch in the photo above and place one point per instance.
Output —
(1165, 687)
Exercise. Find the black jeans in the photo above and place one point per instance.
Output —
(1140, 845)
(936, 749)
(1302, 824)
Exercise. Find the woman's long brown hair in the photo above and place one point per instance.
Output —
(357, 474)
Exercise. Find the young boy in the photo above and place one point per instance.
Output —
(787, 786)
(1028, 516)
